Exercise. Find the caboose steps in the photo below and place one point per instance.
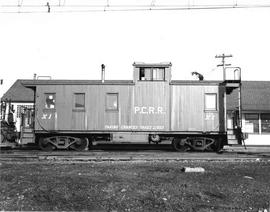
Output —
(232, 137)
(27, 130)
(233, 142)
(27, 135)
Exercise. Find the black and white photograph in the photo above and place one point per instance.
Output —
(135, 105)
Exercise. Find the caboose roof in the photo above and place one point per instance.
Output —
(33, 83)
(151, 65)
(195, 82)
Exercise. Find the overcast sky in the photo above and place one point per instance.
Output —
(74, 45)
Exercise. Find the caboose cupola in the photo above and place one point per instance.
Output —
(152, 72)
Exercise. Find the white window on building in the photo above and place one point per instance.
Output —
(265, 123)
(210, 101)
(252, 123)
(50, 100)
(112, 101)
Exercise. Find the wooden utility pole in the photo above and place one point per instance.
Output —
(223, 56)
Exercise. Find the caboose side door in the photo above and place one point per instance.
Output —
(27, 126)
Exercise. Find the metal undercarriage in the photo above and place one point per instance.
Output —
(63, 142)
(181, 144)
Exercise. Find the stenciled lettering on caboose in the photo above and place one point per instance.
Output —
(47, 116)
(147, 110)
(209, 117)
(134, 127)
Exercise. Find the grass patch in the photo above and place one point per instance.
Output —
(127, 186)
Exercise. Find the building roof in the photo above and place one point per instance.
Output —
(255, 96)
(19, 93)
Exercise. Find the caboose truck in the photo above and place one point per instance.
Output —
(151, 108)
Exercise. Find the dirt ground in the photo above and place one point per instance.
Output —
(135, 186)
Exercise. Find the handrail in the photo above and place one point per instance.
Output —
(44, 77)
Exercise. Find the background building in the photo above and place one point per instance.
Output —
(20, 97)
(255, 111)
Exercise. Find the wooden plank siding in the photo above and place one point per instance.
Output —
(188, 110)
(152, 101)
(93, 117)
(145, 106)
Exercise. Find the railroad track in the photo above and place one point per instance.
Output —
(146, 155)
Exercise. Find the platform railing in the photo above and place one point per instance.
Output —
(233, 74)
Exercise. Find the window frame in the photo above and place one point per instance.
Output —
(45, 98)
(259, 123)
(216, 102)
(157, 72)
(106, 102)
(74, 102)
(143, 69)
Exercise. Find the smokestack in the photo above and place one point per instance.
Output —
(102, 73)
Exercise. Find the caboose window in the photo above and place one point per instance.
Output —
(142, 74)
(79, 99)
(152, 74)
(112, 101)
(158, 74)
(50, 100)
(210, 101)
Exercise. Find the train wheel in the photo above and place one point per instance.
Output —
(179, 145)
(80, 144)
(218, 145)
(45, 145)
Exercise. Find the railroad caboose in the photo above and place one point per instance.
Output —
(76, 114)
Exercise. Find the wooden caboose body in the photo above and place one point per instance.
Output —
(150, 108)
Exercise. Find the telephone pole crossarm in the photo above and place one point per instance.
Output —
(223, 64)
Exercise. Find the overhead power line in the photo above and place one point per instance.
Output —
(61, 6)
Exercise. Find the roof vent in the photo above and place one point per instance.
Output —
(102, 73)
